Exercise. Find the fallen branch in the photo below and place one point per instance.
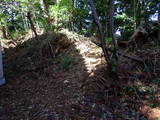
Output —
(119, 53)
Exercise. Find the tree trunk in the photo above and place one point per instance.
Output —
(113, 65)
(2, 79)
(70, 24)
(106, 24)
(159, 13)
(32, 25)
(46, 11)
(111, 22)
(94, 12)
(42, 59)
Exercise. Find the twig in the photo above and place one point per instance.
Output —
(52, 49)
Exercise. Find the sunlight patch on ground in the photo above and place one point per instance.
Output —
(88, 50)
(9, 43)
(151, 113)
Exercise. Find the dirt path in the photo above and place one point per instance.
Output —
(91, 54)
(54, 95)
(79, 89)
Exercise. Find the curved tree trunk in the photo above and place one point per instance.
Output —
(94, 12)
(32, 25)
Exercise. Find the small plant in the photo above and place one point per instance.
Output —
(128, 90)
(66, 62)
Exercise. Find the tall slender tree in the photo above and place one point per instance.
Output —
(111, 22)
(159, 12)
(44, 6)
(32, 25)
(101, 32)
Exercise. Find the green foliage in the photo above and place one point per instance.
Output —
(146, 90)
(142, 90)
(125, 25)
(154, 81)
(128, 90)
(66, 62)
(108, 40)
(77, 12)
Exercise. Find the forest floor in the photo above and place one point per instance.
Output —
(75, 85)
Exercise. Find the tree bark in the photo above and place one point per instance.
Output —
(46, 11)
(111, 22)
(159, 13)
(32, 25)
(42, 59)
(94, 12)
(70, 24)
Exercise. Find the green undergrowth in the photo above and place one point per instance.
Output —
(66, 62)
(146, 92)
(25, 57)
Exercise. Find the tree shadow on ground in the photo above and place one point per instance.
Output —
(132, 96)
(65, 90)
(31, 94)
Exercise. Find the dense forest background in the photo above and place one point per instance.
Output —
(76, 16)
(80, 59)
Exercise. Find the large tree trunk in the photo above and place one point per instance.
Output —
(94, 12)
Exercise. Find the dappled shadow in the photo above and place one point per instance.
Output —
(133, 95)
(75, 85)
(48, 95)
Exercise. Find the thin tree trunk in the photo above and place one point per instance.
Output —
(106, 24)
(24, 23)
(36, 21)
(111, 22)
(135, 14)
(42, 59)
(32, 25)
(46, 11)
(70, 24)
(159, 13)
(105, 51)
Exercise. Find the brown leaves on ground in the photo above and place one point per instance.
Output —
(85, 91)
